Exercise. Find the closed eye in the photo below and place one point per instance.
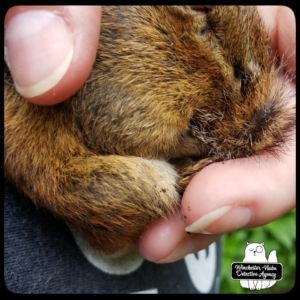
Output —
(243, 75)
(239, 73)
(204, 30)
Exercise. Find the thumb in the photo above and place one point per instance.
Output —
(242, 193)
(50, 50)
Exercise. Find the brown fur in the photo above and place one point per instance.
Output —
(168, 83)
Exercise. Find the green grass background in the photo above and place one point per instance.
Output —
(279, 235)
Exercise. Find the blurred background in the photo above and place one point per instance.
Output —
(279, 235)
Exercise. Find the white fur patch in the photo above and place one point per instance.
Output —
(120, 263)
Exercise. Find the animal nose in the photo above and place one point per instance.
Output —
(261, 116)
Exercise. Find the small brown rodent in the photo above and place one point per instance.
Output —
(168, 83)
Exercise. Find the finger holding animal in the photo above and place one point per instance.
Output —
(51, 49)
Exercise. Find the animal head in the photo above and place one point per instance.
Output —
(184, 81)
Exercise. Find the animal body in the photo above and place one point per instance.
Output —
(170, 85)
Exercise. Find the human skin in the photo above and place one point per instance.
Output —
(41, 52)
(242, 193)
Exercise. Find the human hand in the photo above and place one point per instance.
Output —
(241, 193)
(264, 182)
(50, 50)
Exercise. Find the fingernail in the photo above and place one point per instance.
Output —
(186, 247)
(38, 51)
(224, 219)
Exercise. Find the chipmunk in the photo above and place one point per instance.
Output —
(170, 84)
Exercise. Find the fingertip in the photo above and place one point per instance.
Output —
(287, 38)
(221, 198)
(162, 238)
(280, 22)
(50, 50)
(166, 241)
(241, 193)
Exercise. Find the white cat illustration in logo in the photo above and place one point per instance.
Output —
(255, 253)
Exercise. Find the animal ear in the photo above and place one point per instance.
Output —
(262, 243)
(248, 244)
